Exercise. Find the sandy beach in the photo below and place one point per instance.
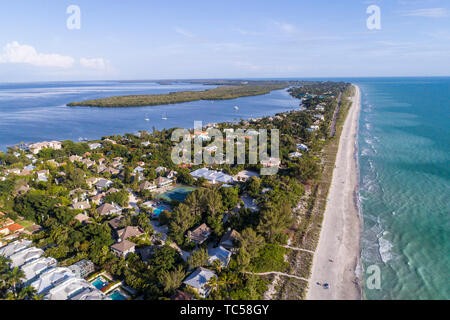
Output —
(337, 254)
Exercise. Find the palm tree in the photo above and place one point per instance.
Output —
(13, 277)
(214, 284)
(171, 280)
(4, 264)
(28, 293)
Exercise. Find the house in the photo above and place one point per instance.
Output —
(171, 174)
(162, 182)
(42, 175)
(5, 221)
(139, 170)
(75, 158)
(147, 186)
(303, 147)
(244, 175)
(109, 209)
(11, 229)
(270, 162)
(198, 280)
(68, 289)
(13, 171)
(229, 240)
(97, 199)
(90, 293)
(319, 116)
(82, 268)
(83, 205)
(94, 145)
(88, 162)
(123, 248)
(51, 278)
(116, 222)
(129, 232)
(100, 168)
(145, 143)
(212, 175)
(36, 147)
(14, 247)
(112, 190)
(82, 218)
(22, 257)
(103, 184)
(158, 170)
(33, 269)
(111, 171)
(91, 181)
(221, 254)
(200, 234)
(181, 295)
(22, 189)
(295, 154)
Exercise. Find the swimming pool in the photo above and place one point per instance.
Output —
(99, 283)
(179, 193)
(116, 295)
(157, 211)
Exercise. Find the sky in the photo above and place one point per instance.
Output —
(145, 39)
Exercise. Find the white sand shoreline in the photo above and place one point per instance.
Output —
(340, 235)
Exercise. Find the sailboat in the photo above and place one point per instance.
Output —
(164, 117)
(236, 108)
(147, 118)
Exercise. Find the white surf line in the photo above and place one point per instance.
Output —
(277, 273)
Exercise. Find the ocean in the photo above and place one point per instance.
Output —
(404, 158)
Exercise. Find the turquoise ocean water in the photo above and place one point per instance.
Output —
(404, 157)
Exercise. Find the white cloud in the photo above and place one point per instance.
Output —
(248, 33)
(184, 32)
(16, 53)
(428, 13)
(94, 63)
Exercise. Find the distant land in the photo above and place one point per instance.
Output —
(228, 89)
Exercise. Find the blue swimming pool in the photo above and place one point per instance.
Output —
(116, 295)
(99, 283)
(157, 211)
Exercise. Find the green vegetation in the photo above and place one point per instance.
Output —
(289, 204)
(219, 93)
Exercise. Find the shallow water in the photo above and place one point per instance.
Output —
(404, 145)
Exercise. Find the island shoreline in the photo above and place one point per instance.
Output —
(337, 257)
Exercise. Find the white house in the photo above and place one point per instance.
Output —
(198, 280)
(94, 145)
(220, 253)
(51, 278)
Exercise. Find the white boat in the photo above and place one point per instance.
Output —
(147, 118)
(164, 117)
(236, 108)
